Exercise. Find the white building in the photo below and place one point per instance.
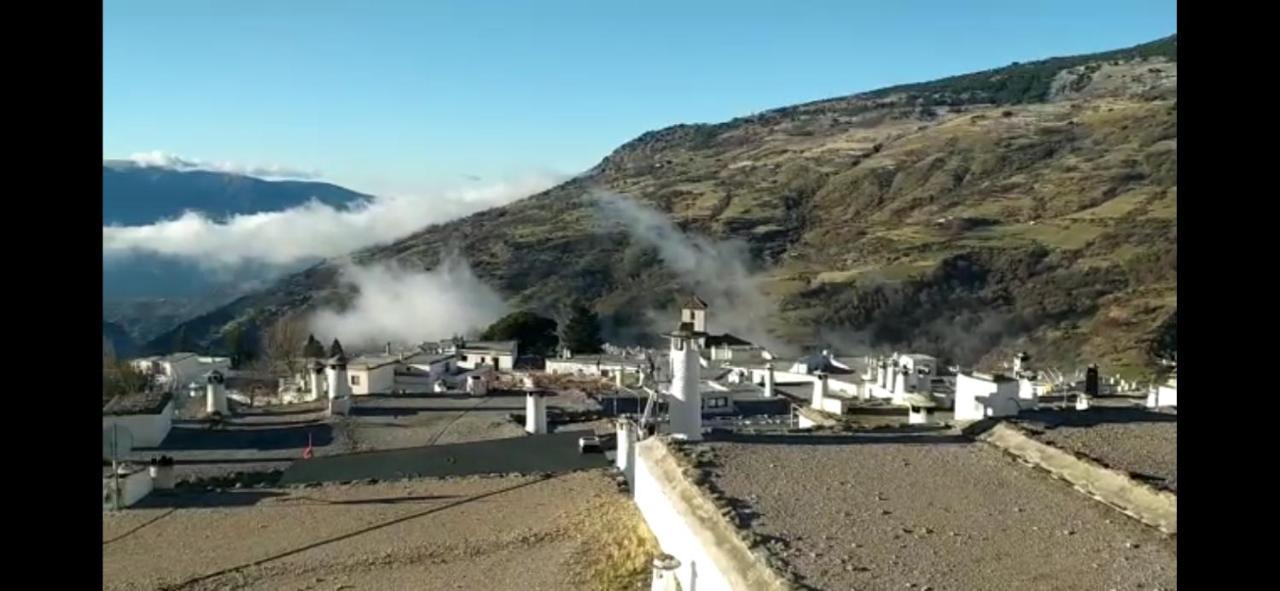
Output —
(981, 396)
(397, 372)
(1164, 395)
(719, 398)
(177, 369)
(602, 365)
(500, 355)
(694, 312)
(726, 347)
(147, 416)
(717, 347)
(895, 377)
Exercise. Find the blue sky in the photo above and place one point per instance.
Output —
(398, 96)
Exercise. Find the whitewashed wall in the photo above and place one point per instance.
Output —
(977, 398)
(147, 430)
(675, 532)
(373, 381)
(132, 489)
(504, 362)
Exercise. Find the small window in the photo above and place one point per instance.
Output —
(355, 380)
(464, 357)
(717, 402)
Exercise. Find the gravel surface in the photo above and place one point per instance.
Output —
(271, 438)
(867, 512)
(393, 422)
(465, 533)
(1137, 441)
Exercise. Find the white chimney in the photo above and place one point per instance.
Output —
(317, 382)
(617, 377)
(339, 387)
(625, 458)
(1026, 389)
(216, 396)
(1082, 402)
(161, 471)
(477, 384)
(768, 380)
(685, 404)
(819, 391)
(665, 567)
(388, 347)
(535, 413)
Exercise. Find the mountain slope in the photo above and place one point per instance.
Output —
(146, 294)
(1032, 206)
(133, 195)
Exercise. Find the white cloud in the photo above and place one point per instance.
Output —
(313, 230)
(407, 306)
(161, 159)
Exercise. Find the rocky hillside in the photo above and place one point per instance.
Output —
(1032, 206)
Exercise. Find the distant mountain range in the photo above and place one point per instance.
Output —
(146, 294)
(1032, 206)
(135, 195)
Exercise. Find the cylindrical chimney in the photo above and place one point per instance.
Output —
(625, 458)
(317, 381)
(768, 380)
(664, 573)
(216, 394)
(162, 473)
(535, 413)
(819, 391)
(685, 405)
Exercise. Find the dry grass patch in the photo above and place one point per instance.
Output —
(618, 548)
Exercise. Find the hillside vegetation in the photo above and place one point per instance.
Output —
(1032, 206)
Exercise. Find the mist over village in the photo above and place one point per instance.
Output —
(550, 312)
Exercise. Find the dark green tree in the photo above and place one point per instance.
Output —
(181, 342)
(313, 348)
(581, 333)
(535, 334)
(335, 349)
(239, 346)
